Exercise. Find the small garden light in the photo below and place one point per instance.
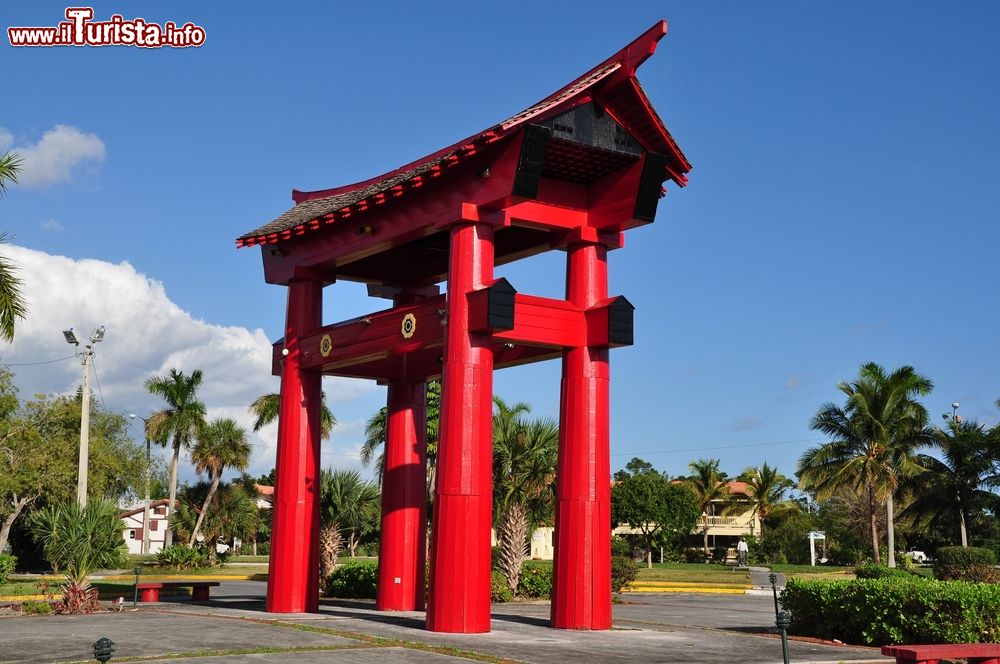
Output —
(773, 578)
(103, 648)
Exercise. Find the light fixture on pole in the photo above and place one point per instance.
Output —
(87, 355)
(149, 471)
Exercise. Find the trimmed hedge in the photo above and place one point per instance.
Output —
(895, 610)
(876, 571)
(357, 579)
(969, 563)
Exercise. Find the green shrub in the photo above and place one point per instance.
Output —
(79, 540)
(894, 610)
(536, 581)
(499, 591)
(36, 608)
(969, 563)
(719, 554)
(368, 550)
(7, 565)
(624, 571)
(357, 579)
(179, 556)
(694, 555)
(620, 546)
(870, 570)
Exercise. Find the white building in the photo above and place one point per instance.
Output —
(132, 526)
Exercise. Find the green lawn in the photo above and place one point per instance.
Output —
(19, 588)
(691, 573)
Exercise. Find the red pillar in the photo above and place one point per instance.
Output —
(581, 575)
(293, 580)
(404, 500)
(459, 594)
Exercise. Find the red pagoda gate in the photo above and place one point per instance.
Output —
(572, 172)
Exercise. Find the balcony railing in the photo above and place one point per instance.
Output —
(725, 521)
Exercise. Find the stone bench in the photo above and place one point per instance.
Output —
(150, 590)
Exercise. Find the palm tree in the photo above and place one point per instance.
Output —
(182, 420)
(766, 491)
(266, 408)
(12, 304)
(10, 168)
(524, 467)
(79, 540)
(954, 483)
(346, 503)
(232, 514)
(222, 444)
(709, 485)
(875, 436)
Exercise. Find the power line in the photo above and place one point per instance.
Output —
(31, 364)
(93, 362)
(721, 447)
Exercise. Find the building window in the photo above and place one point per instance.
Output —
(154, 525)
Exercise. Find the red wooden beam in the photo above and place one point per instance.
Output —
(372, 346)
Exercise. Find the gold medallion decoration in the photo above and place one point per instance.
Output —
(325, 345)
(409, 326)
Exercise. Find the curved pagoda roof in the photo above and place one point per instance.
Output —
(611, 86)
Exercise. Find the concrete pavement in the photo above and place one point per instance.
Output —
(714, 629)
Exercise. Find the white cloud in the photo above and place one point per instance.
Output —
(52, 225)
(147, 334)
(57, 156)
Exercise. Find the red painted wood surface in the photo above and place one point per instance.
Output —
(150, 590)
(293, 580)
(459, 594)
(581, 574)
(973, 653)
(404, 500)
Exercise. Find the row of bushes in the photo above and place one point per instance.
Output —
(359, 579)
(897, 609)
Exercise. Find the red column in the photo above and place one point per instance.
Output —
(404, 500)
(293, 580)
(459, 594)
(581, 575)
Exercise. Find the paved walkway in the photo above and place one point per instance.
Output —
(234, 627)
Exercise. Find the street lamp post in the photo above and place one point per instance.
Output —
(149, 473)
(88, 354)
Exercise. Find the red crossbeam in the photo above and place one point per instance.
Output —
(521, 325)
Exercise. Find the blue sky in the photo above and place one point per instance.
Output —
(842, 207)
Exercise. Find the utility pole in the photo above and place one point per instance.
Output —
(149, 475)
(88, 354)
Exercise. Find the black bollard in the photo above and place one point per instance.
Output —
(783, 621)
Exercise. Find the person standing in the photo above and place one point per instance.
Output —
(741, 551)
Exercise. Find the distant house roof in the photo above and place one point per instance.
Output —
(266, 492)
(738, 488)
(162, 502)
(613, 80)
